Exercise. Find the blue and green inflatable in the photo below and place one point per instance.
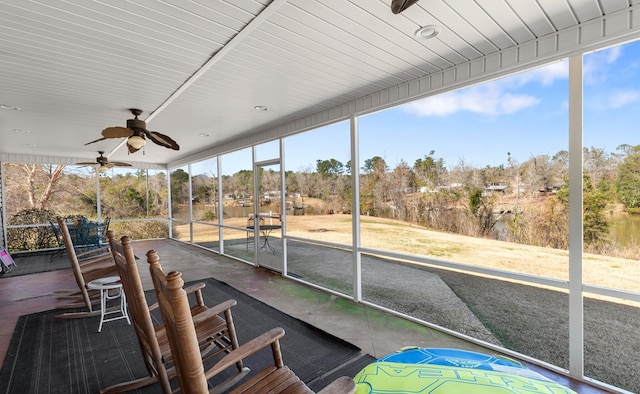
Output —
(449, 371)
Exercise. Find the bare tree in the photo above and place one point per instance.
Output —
(304, 181)
(463, 173)
(37, 183)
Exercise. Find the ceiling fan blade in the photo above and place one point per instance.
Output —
(162, 140)
(120, 164)
(116, 132)
(86, 163)
(397, 6)
(99, 139)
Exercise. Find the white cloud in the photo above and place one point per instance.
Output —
(546, 75)
(612, 54)
(596, 64)
(515, 102)
(499, 97)
(485, 99)
(549, 74)
(621, 98)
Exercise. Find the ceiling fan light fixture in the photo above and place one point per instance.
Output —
(136, 141)
(103, 168)
(136, 133)
(427, 32)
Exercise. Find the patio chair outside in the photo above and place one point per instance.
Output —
(59, 240)
(84, 270)
(215, 334)
(104, 229)
(276, 378)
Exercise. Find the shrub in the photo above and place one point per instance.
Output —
(32, 238)
(633, 211)
(141, 230)
(209, 216)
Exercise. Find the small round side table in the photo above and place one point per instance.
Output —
(110, 289)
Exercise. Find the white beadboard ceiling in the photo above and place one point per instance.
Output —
(74, 67)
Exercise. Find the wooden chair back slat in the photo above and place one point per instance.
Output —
(125, 261)
(213, 332)
(178, 321)
(192, 377)
(84, 271)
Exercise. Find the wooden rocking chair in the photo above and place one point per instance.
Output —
(85, 267)
(215, 335)
(192, 377)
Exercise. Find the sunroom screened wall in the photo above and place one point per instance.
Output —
(575, 144)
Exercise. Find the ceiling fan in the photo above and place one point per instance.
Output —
(104, 163)
(136, 133)
(397, 6)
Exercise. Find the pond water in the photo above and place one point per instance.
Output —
(625, 229)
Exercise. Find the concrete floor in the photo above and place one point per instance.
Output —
(374, 331)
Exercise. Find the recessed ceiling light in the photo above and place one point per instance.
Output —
(427, 32)
(7, 106)
(204, 135)
(21, 131)
(261, 108)
(29, 145)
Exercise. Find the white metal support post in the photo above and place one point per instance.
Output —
(98, 197)
(576, 311)
(3, 212)
(255, 207)
(283, 208)
(355, 211)
(190, 204)
(220, 208)
(169, 198)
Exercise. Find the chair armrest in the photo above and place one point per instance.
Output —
(342, 385)
(223, 306)
(209, 313)
(101, 272)
(97, 266)
(194, 287)
(96, 261)
(246, 350)
(93, 253)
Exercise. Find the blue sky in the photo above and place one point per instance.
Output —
(525, 114)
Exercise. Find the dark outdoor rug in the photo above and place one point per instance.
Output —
(53, 355)
(36, 262)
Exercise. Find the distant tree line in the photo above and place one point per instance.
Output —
(529, 199)
(532, 206)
